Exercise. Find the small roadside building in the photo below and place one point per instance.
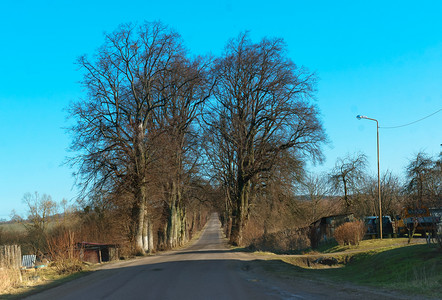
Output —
(97, 253)
(323, 229)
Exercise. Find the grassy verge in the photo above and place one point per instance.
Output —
(389, 264)
(37, 280)
(370, 244)
(416, 268)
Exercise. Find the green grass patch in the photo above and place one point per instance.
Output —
(412, 268)
(369, 244)
(415, 269)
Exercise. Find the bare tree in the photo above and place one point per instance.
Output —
(125, 83)
(347, 176)
(391, 195)
(41, 208)
(424, 180)
(316, 188)
(274, 190)
(434, 183)
(260, 109)
(178, 142)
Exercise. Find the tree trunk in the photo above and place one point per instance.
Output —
(236, 232)
(140, 192)
(229, 227)
(171, 224)
(139, 227)
(192, 225)
(162, 237)
(150, 239)
(183, 230)
(240, 215)
(146, 234)
(346, 198)
(176, 225)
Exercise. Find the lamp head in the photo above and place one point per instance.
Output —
(360, 117)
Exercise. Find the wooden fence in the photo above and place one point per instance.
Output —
(10, 256)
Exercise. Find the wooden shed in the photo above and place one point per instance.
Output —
(97, 253)
(323, 229)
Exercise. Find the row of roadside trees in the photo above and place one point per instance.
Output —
(158, 126)
(276, 208)
(162, 137)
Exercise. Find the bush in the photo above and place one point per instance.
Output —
(350, 233)
(63, 252)
(284, 241)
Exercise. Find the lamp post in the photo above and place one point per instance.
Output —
(359, 117)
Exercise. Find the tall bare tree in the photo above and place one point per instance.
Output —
(391, 195)
(125, 83)
(316, 188)
(347, 176)
(186, 89)
(41, 208)
(261, 108)
(424, 176)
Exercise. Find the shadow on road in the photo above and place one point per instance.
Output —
(178, 279)
(189, 276)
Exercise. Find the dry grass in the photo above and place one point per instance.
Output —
(33, 280)
(9, 279)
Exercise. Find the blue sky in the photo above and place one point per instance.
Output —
(383, 60)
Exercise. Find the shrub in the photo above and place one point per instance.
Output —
(62, 249)
(350, 233)
(284, 241)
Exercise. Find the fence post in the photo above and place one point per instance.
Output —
(10, 258)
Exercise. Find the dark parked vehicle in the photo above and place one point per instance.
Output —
(372, 224)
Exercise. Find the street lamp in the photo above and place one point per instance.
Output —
(359, 117)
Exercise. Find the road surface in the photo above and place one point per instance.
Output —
(206, 269)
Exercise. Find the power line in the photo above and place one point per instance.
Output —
(391, 127)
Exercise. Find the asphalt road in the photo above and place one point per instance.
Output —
(207, 269)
